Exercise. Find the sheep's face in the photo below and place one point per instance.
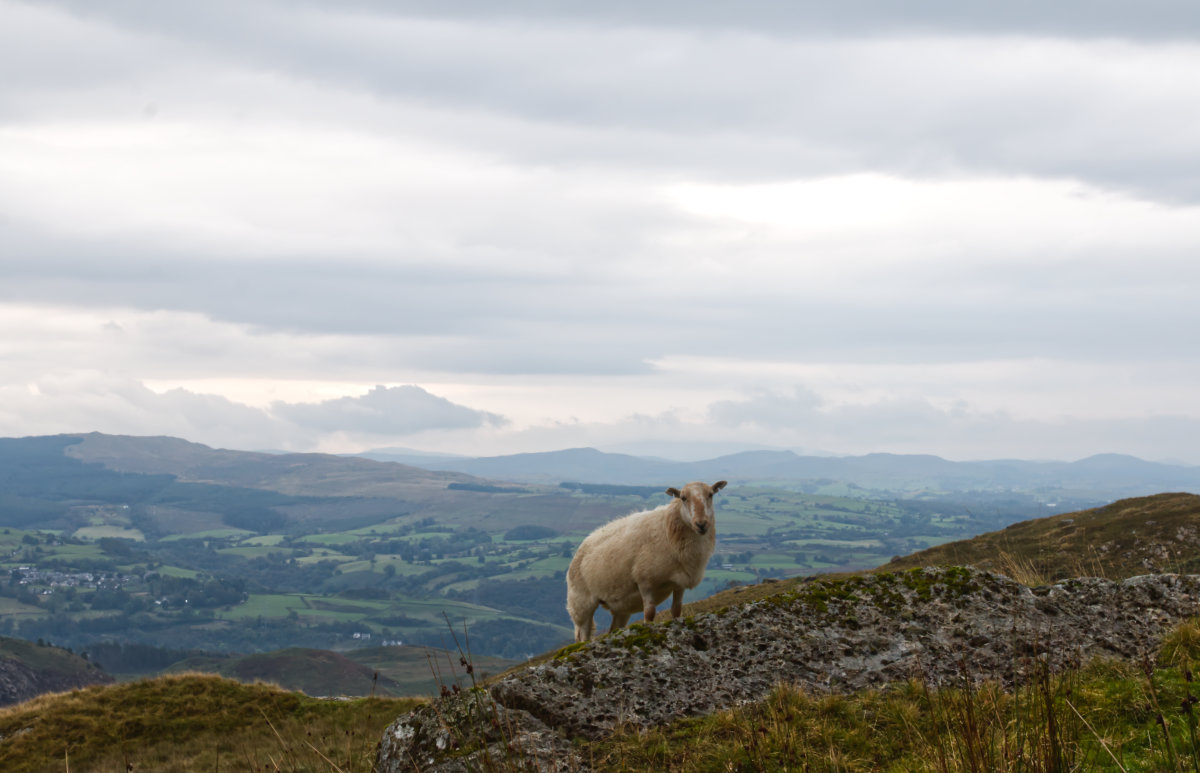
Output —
(697, 501)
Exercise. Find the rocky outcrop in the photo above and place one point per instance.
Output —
(942, 625)
(470, 731)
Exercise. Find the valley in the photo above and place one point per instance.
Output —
(169, 544)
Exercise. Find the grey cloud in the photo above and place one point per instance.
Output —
(1107, 18)
(423, 317)
(403, 410)
(768, 92)
(768, 410)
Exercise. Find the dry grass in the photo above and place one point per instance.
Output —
(1124, 539)
(192, 723)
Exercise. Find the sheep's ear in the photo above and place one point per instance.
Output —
(718, 486)
(673, 492)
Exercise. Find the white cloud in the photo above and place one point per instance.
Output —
(386, 411)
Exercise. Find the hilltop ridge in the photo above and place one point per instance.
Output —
(843, 634)
(826, 636)
(1159, 533)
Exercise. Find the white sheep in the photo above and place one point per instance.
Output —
(633, 563)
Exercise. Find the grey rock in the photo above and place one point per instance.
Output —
(469, 731)
(942, 625)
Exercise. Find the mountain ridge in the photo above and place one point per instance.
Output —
(1114, 475)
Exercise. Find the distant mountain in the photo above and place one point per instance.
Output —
(1105, 476)
(28, 670)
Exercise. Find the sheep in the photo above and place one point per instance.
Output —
(633, 563)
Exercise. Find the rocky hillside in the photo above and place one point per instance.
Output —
(842, 635)
(28, 670)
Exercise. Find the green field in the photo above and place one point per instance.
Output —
(13, 607)
(211, 534)
(115, 532)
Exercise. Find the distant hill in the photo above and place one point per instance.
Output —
(1105, 476)
(295, 474)
(28, 670)
(319, 673)
(1131, 537)
(421, 671)
(172, 485)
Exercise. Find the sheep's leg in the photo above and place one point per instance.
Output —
(584, 632)
(677, 604)
(648, 606)
(583, 614)
(619, 621)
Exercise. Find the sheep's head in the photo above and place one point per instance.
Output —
(697, 503)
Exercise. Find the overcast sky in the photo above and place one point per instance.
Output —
(675, 227)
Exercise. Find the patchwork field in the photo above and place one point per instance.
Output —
(493, 565)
